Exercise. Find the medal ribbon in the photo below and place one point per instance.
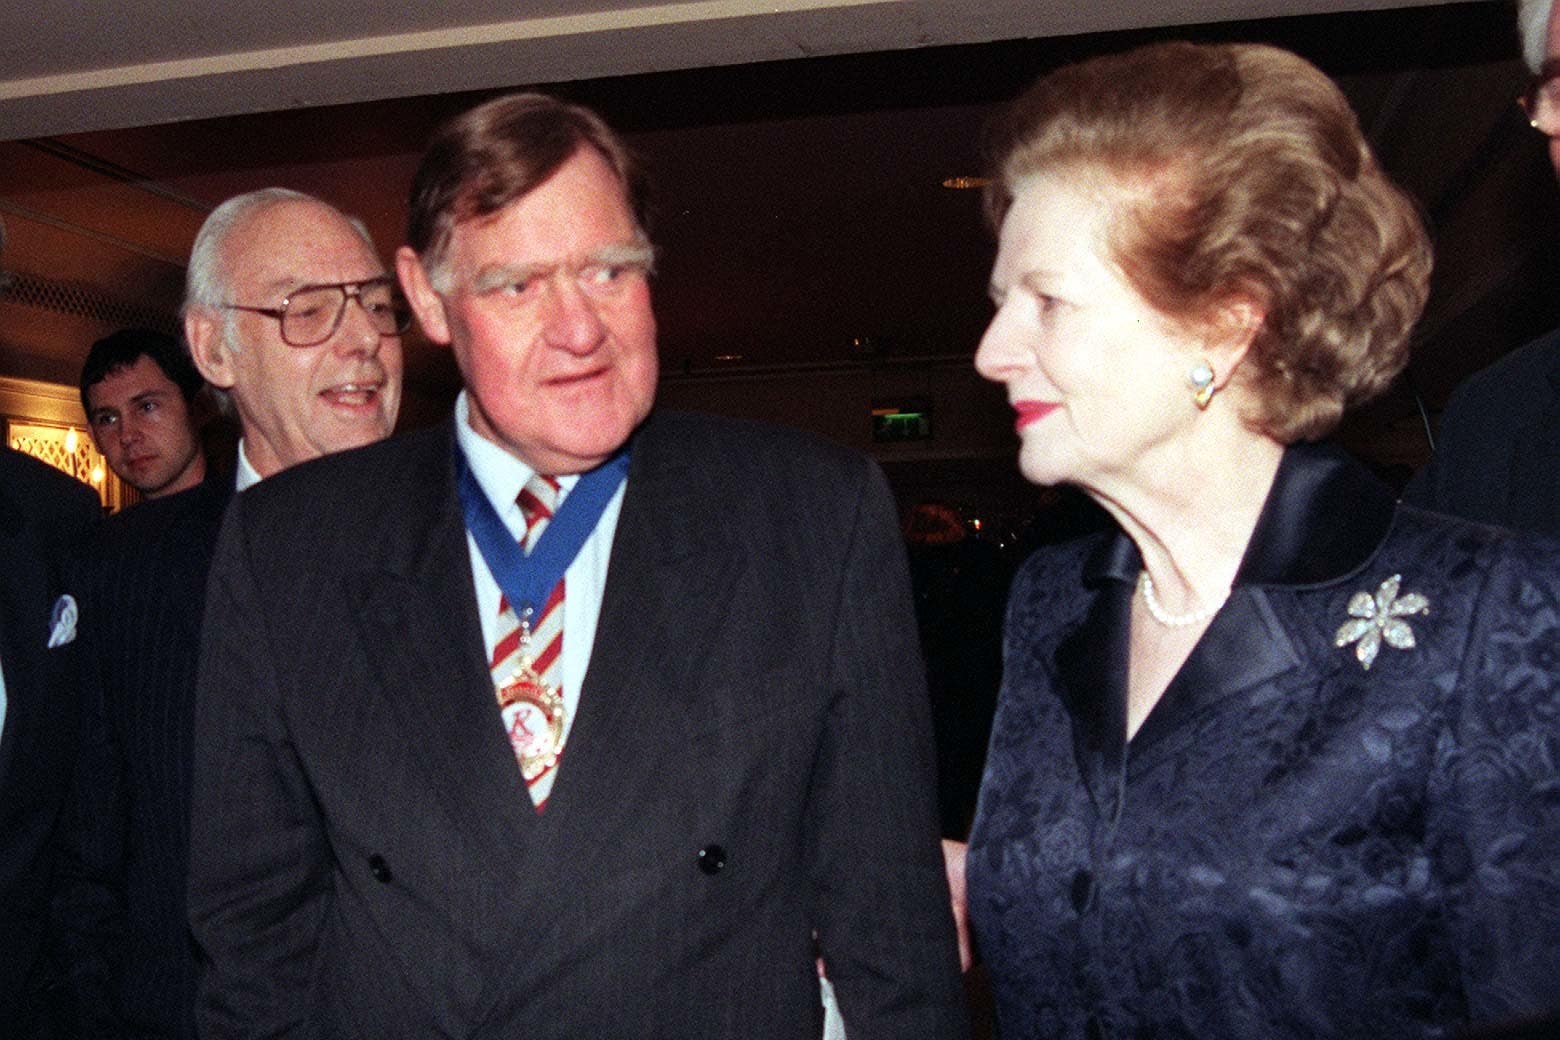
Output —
(528, 579)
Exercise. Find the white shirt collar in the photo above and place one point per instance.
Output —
(247, 476)
(499, 473)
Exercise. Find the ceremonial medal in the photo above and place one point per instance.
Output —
(532, 709)
(533, 718)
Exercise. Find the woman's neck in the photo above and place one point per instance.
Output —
(1192, 520)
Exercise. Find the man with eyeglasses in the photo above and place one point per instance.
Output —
(1497, 451)
(291, 314)
(427, 805)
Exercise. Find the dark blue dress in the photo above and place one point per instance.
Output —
(1293, 844)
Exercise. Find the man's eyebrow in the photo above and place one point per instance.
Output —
(495, 276)
(281, 287)
(638, 252)
(285, 286)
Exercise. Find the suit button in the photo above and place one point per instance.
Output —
(379, 868)
(712, 859)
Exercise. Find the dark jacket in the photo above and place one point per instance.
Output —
(1292, 845)
(1497, 457)
(124, 848)
(43, 514)
(751, 763)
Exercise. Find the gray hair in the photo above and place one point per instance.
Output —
(206, 280)
(1533, 26)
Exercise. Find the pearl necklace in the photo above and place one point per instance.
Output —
(1167, 619)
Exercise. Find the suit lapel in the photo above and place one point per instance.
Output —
(1091, 665)
(671, 575)
(1324, 517)
(1244, 646)
(419, 614)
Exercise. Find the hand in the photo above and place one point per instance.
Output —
(953, 859)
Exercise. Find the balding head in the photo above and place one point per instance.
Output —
(255, 254)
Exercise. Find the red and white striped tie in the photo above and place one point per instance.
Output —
(537, 500)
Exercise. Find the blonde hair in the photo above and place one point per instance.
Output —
(1241, 174)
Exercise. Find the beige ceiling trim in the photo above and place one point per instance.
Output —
(455, 37)
(615, 39)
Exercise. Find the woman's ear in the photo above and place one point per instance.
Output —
(1230, 334)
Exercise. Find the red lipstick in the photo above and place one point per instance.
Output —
(1032, 411)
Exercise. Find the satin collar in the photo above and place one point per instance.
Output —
(1324, 517)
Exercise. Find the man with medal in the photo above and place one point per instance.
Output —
(567, 718)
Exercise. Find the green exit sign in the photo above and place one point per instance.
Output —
(902, 421)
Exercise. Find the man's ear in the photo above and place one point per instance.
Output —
(209, 348)
(418, 287)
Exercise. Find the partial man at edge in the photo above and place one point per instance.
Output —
(44, 514)
(1497, 452)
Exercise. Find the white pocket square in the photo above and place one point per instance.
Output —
(62, 622)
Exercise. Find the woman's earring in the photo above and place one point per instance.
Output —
(1201, 380)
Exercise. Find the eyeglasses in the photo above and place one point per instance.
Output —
(1541, 101)
(311, 314)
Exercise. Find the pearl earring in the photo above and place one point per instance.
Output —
(1201, 379)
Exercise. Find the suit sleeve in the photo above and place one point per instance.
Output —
(1499, 839)
(259, 884)
(884, 921)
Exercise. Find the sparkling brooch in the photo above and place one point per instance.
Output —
(1373, 619)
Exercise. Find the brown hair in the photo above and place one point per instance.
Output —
(481, 161)
(1241, 172)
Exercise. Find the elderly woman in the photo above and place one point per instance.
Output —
(1279, 757)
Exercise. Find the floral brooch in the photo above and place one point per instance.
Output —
(1374, 619)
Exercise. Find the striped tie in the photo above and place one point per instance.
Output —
(537, 500)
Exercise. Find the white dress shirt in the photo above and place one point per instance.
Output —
(501, 476)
